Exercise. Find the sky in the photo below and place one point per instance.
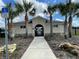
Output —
(40, 5)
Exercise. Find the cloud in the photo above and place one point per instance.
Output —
(40, 7)
(32, 1)
(19, 1)
(19, 18)
(1, 4)
(75, 22)
(58, 20)
(40, 14)
(75, 1)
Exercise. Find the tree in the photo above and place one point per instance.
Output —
(64, 12)
(73, 9)
(51, 10)
(69, 10)
(25, 8)
(63, 9)
(12, 15)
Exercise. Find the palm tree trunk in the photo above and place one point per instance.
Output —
(65, 27)
(12, 34)
(70, 21)
(26, 21)
(10, 29)
(51, 32)
(70, 27)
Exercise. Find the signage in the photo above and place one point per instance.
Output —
(5, 12)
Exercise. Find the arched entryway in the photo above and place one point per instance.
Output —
(39, 30)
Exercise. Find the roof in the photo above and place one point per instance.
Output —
(22, 22)
(46, 19)
(41, 18)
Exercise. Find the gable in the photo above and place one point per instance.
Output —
(38, 17)
(46, 20)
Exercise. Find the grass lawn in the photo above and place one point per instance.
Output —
(77, 34)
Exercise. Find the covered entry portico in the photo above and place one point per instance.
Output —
(39, 30)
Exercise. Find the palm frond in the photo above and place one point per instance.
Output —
(63, 9)
(10, 10)
(67, 8)
(76, 8)
(12, 13)
(26, 6)
(51, 9)
(19, 8)
(32, 12)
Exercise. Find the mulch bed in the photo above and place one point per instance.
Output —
(22, 44)
(56, 40)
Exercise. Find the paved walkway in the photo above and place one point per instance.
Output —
(39, 49)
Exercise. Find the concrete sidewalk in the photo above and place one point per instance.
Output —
(39, 49)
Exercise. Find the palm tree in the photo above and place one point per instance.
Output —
(69, 11)
(12, 15)
(64, 12)
(73, 8)
(51, 10)
(18, 10)
(25, 8)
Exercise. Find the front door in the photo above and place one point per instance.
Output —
(39, 31)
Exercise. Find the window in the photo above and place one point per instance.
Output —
(22, 26)
(55, 25)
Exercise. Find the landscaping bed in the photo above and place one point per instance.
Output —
(22, 44)
(56, 40)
